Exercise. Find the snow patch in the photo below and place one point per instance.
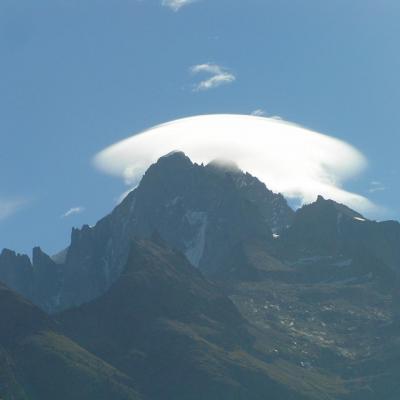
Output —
(195, 246)
(359, 219)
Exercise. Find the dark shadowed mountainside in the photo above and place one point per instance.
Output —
(168, 328)
(201, 210)
(204, 284)
(39, 362)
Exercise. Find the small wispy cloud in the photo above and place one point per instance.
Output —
(73, 211)
(176, 5)
(219, 76)
(259, 113)
(376, 186)
(8, 207)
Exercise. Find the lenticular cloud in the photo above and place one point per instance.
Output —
(288, 158)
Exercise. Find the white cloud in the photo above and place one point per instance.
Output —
(219, 76)
(289, 158)
(9, 207)
(376, 186)
(176, 5)
(259, 113)
(73, 211)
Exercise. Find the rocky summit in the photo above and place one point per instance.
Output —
(201, 210)
(204, 284)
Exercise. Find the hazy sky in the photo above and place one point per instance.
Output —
(79, 75)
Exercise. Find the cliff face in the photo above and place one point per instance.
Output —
(201, 284)
(203, 211)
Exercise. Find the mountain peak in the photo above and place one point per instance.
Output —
(175, 156)
(202, 211)
(224, 165)
(322, 227)
(335, 207)
(172, 165)
(7, 253)
(37, 253)
(10, 256)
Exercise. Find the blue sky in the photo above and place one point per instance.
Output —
(77, 76)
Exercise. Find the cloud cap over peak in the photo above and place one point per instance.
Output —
(288, 158)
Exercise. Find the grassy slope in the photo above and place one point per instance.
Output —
(171, 330)
(36, 362)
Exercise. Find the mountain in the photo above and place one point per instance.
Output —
(204, 211)
(39, 280)
(38, 362)
(332, 234)
(203, 283)
(329, 291)
(162, 331)
(16, 271)
(163, 324)
(326, 227)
